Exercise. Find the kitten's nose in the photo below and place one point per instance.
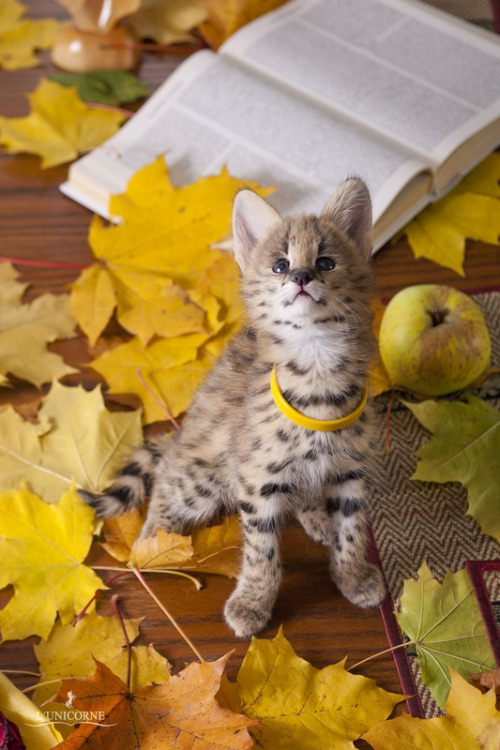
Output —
(301, 276)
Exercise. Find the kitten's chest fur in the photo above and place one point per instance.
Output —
(256, 444)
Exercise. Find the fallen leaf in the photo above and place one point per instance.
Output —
(76, 438)
(211, 549)
(41, 553)
(26, 329)
(36, 732)
(21, 37)
(113, 87)
(464, 448)
(94, 16)
(165, 375)
(471, 723)
(217, 549)
(182, 712)
(471, 210)
(488, 680)
(59, 126)
(163, 550)
(298, 705)
(152, 266)
(227, 16)
(121, 532)
(378, 377)
(70, 651)
(168, 23)
(444, 623)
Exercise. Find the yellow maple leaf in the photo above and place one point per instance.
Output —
(20, 37)
(472, 722)
(71, 649)
(471, 210)
(168, 23)
(298, 705)
(92, 16)
(76, 438)
(121, 532)
(41, 553)
(153, 264)
(59, 125)
(378, 377)
(211, 549)
(26, 329)
(163, 550)
(227, 16)
(164, 375)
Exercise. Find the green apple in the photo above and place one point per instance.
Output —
(433, 340)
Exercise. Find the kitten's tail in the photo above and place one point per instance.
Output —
(130, 488)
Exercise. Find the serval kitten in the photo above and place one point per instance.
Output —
(306, 283)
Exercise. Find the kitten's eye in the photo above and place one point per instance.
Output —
(325, 264)
(281, 266)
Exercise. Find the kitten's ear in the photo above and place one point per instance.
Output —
(253, 219)
(351, 209)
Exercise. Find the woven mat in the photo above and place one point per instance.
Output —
(413, 522)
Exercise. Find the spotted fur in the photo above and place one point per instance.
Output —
(306, 282)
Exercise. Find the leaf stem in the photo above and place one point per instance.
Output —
(171, 49)
(128, 645)
(42, 684)
(165, 611)
(382, 653)
(43, 263)
(97, 593)
(155, 398)
(165, 571)
(21, 671)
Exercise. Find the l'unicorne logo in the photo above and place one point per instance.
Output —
(70, 715)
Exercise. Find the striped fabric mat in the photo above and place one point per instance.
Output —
(415, 521)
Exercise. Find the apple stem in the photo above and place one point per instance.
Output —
(438, 316)
(388, 422)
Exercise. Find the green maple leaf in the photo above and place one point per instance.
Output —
(444, 623)
(112, 87)
(465, 449)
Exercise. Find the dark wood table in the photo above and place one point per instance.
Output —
(38, 223)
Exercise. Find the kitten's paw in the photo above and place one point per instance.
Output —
(243, 618)
(150, 527)
(364, 586)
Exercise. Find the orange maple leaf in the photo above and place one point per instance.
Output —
(227, 16)
(183, 711)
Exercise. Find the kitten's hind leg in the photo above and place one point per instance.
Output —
(338, 520)
(182, 497)
(358, 580)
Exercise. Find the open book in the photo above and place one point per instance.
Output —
(393, 91)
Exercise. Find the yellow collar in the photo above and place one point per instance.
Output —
(322, 425)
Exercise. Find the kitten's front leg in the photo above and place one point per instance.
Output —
(249, 607)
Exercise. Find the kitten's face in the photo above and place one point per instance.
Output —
(306, 272)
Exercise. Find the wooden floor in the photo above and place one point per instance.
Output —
(38, 223)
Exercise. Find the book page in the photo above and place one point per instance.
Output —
(404, 70)
(212, 113)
